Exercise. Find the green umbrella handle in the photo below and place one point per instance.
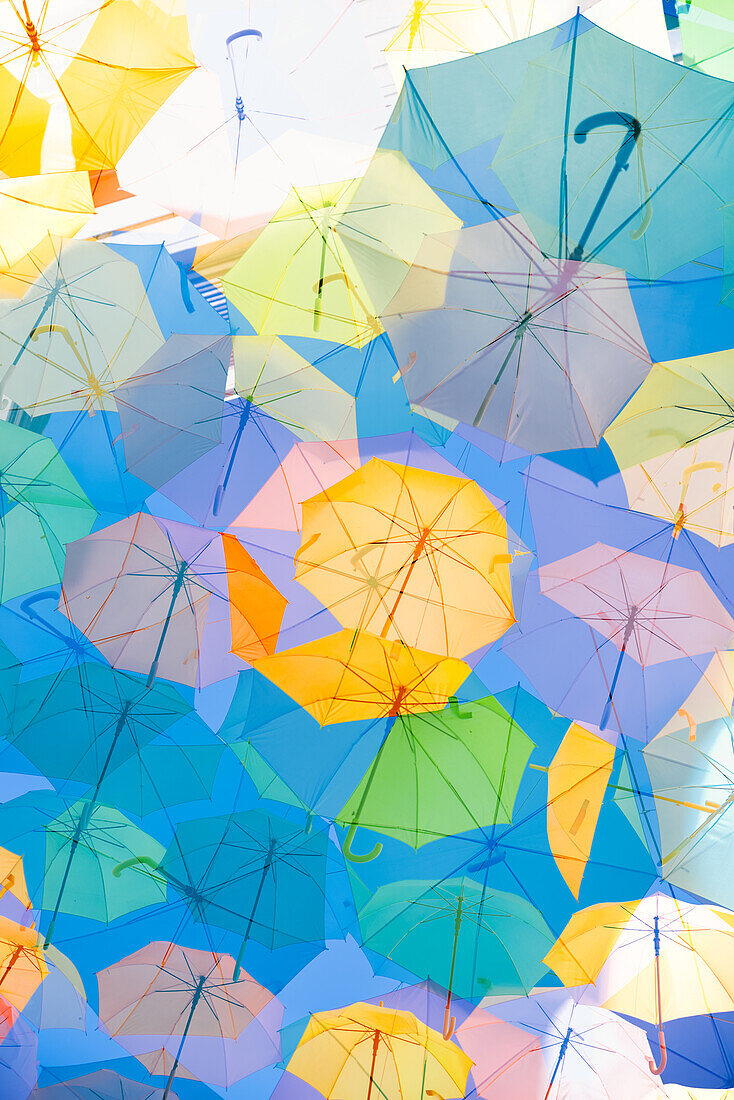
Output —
(352, 856)
(133, 862)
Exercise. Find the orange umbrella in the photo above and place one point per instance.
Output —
(22, 965)
(409, 554)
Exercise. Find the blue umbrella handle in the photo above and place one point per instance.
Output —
(249, 33)
(621, 162)
(352, 856)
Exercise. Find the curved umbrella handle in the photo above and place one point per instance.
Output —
(657, 1068)
(133, 862)
(249, 33)
(621, 164)
(352, 856)
(449, 1023)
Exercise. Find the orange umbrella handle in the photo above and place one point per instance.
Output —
(657, 1069)
(449, 1021)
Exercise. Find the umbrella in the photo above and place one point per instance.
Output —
(284, 98)
(655, 959)
(689, 488)
(77, 84)
(348, 1052)
(42, 509)
(539, 352)
(171, 409)
(101, 1084)
(34, 209)
(440, 773)
(411, 555)
(471, 939)
(151, 594)
(627, 139)
(692, 782)
(651, 610)
(578, 776)
(253, 873)
(707, 38)
(332, 257)
(354, 675)
(712, 697)
(550, 1046)
(83, 325)
(167, 989)
(681, 403)
(84, 845)
(22, 964)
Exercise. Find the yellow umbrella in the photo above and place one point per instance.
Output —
(577, 781)
(352, 676)
(657, 959)
(680, 403)
(32, 209)
(12, 877)
(76, 86)
(712, 697)
(333, 256)
(22, 964)
(409, 554)
(365, 1051)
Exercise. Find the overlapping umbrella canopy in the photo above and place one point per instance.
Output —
(366, 534)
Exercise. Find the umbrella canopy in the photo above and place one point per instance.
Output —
(626, 138)
(253, 873)
(164, 598)
(549, 1046)
(648, 609)
(441, 773)
(471, 939)
(83, 325)
(540, 352)
(177, 991)
(332, 257)
(692, 782)
(33, 210)
(411, 555)
(22, 963)
(353, 675)
(42, 509)
(171, 409)
(681, 403)
(77, 85)
(102, 1084)
(689, 488)
(367, 1050)
(655, 959)
(84, 845)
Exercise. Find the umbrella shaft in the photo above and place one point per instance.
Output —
(192, 1010)
(256, 902)
(65, 877)
(618, 669)
(177, 586)
(491, 391)
(375, 1045)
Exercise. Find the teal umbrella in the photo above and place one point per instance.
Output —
(471, 939)
(608, 144)
(42, 508)
(253, 873)
(83, 847)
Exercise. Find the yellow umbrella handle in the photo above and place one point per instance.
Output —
(352, 856)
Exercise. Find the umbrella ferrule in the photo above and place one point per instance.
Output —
(240, 108)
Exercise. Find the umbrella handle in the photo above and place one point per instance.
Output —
(657, 1068)
(352, 856)
(249, 33)
(133, 862)
(449, 1023)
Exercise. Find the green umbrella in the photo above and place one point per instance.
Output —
(607, 144)
(707, 37)
(441, 773)
(471, 939)
(83, 847)
(42, 507)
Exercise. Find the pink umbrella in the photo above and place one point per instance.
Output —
(184, 995)
(162, 598)
(550, 1047)
(650, 609)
